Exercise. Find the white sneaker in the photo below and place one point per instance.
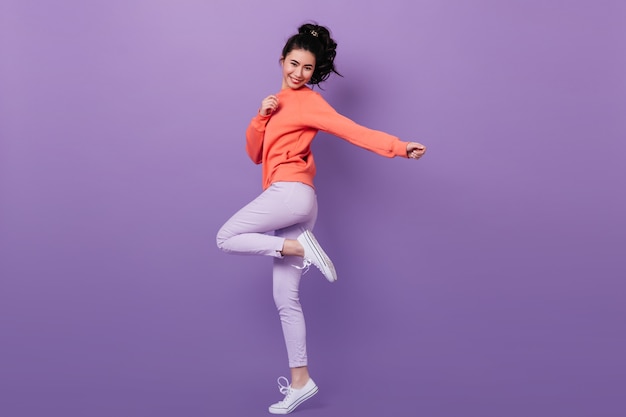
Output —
(314, 254)
(293, 397)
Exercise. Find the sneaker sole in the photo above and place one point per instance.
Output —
(321, 255)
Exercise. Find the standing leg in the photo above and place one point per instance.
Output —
(286, 284)
(287, 209)
(287, 299)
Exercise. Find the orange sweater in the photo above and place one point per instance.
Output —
(282, 140)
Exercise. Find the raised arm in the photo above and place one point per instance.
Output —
(256, 129)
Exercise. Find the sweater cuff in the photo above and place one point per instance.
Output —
(399, 148)
(259, 122)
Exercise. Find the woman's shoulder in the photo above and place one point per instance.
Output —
(306, 98)
(309, 95)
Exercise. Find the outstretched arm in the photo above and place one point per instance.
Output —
(415, 150)
(322, 116)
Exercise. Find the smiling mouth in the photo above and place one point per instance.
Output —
(293, 80)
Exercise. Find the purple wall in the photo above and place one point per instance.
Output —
(484, 280)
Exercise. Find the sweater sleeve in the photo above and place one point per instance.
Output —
(254, 137)
(322, 116)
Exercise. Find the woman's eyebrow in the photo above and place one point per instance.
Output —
(293, 61)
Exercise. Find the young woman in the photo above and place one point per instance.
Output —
(278, 222)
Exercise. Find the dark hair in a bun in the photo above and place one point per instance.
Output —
(315, 39)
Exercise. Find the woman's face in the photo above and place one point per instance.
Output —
(298, 67)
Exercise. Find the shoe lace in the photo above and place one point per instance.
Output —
(284, 389)
(306, 263)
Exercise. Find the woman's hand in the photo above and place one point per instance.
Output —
(415, 150)
(268, 105)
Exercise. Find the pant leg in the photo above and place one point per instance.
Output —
(286, 285)
(249, 231)
(287, 209)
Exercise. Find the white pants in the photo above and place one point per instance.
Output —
(281, 212)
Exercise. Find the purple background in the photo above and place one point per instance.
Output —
(484, 280)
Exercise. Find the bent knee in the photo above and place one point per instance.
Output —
(221, 238)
